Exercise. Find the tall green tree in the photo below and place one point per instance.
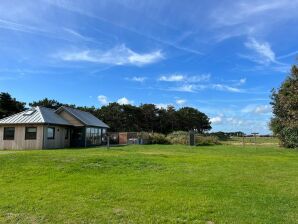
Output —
(284, 123)
(9, 105)
(112, 115)
(191, 118)
(50, 103)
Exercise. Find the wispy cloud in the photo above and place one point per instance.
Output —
(227, 88)
(242, 11)
(257, 109)
(263, 52)
(78, 35)
(119, 55)
(185, 88)
(69, 6)
(184, 78)
(294, 53)
(140, 79)
(9, 25)
(171, 78)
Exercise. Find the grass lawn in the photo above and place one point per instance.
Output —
(252, 141)
(150, 184)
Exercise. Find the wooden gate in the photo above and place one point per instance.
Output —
(122, 138)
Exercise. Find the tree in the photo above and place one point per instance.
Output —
(150, 117)
(50, 103)
(9, 105)
(191, 118)
(112, 115)
(284, 123)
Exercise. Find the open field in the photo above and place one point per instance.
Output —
(252, 141)
(150, 184)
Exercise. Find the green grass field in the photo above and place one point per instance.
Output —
(150, 184)
(251, 141)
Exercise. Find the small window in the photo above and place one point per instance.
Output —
(66, 133)
(30, 133)
(8, 133)
(51, 133)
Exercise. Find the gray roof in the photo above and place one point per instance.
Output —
(85, 117)
(35, 115)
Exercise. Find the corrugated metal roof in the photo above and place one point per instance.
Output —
(35, 115)
(85, 117)
(51, 117)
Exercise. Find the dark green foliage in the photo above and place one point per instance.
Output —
(149, 118)
(190, 119)
(9, 105)
(284, 124)
(222, 136)
(49, 103)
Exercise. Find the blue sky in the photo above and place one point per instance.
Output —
(222, 57)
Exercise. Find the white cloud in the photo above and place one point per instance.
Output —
(216, 120)
(78, 35)
(103, 100)
(172, 78)
(180, 102)
(185, 78)
(242, 12)
(119, 55)
(198, 78)
(137, 79)
(186, 88)
(263, 51)
(242, 81)
(162, 105)
(124, 101)
(222, 87)
(257, 109)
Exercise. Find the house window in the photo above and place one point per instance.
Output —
(30, 133)
(8, 133)
(51, 133)
(66, 133)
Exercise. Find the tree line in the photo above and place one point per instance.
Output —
(130, 118)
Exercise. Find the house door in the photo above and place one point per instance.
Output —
(77, 138)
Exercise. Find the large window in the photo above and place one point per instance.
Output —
(51, 133)
(30, 133)
(8, 133)
(93, 136)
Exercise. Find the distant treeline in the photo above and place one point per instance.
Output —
(146, 117)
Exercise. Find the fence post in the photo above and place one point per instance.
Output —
(108, 142)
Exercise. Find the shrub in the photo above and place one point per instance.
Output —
(289, 137)
(206, 140)
(221, 135)
(157, 138)
(178, 137)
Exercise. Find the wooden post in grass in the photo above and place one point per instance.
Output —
(243, 144)
(255, 135)
(108, 142)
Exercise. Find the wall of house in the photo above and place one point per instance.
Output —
(19, 141)
(71, 119)
(59, 141)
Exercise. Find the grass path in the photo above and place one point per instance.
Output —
(150, 184)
